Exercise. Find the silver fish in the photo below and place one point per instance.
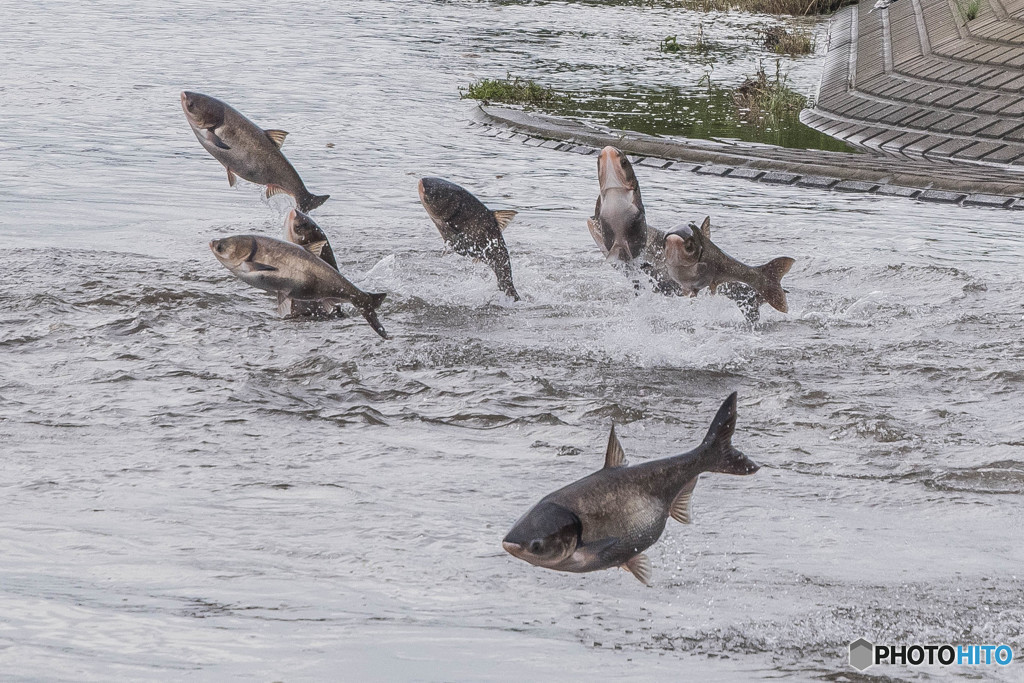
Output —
(619, 223)
(302, 230)
(293, 272)
(245, 149)
(470, 228)
(610, 517)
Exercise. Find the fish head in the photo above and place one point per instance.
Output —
(301, 229)
(614, 170)
(233, 251)
(545, 536)
(441, 199)
(683, 246)
(202, 111)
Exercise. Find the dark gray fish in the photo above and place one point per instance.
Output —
(619, 223)
(610, 517)
(302, 230)
(694, 262)
(245, 149)
(470, 228)
(292, 272)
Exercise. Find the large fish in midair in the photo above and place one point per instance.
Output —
(293, 272)
(245, 149)
(610, 517)
(470, 228)
(619, 223)
(302, 230)
(692, 261)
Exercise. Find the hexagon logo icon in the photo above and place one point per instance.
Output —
(861, 652)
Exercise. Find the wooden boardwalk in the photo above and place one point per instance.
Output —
(916, 81)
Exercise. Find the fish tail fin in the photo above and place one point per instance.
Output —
(719, 454)
(770, 285)
(369, 311)
(311, 201)
(619, 252)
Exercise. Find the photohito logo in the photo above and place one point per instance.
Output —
(864, 654)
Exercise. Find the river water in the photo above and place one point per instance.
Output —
(194, 487)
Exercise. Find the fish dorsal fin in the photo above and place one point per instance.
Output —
(640, 567)
(504, 218)
(231, 178)
(316, 248)
(680, 509)
(614, 456)
(705, 227)
(276, 136)
(275, 189)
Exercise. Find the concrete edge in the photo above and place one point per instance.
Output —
(823, 170)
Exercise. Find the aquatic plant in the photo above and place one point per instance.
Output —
(669, 44)
(794, 7)
(701, 44)
(769, 99)
(511, 90)
(783, 42)
(968, 9)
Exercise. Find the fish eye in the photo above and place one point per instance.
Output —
(536, 546)
(220, 248)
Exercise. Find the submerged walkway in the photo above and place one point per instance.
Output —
(834, 171)
(916, 81)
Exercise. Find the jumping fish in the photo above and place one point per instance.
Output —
(470, 228)
(694, 262)
(245, 149)
(302, 230)
(293, 272)
(610, 517)
(619, 223)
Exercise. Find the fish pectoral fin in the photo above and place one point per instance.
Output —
(504, 218)
(214, 140)
(276, 136)
(284, 305)
(614, 456)
(640, 567)
(705, 227)
(316, 248)
(231, 177)
(275, 189)
(680, 509)
(595, 231)
(254, 266)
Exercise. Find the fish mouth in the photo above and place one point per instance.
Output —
(511, 548)
(610, 172)
(676, 253)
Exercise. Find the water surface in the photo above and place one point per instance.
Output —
(193, 487)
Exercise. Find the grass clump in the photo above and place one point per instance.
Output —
(797, 8)
(769, 99)
(783, 42)
(968, 9)
(702, 45)
(511, 90)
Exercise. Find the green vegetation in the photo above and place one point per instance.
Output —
(701, 44)
(968, 9)
(511, 90)
(794, 7)
(783, 42)
(771, 100)
(706, 112)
